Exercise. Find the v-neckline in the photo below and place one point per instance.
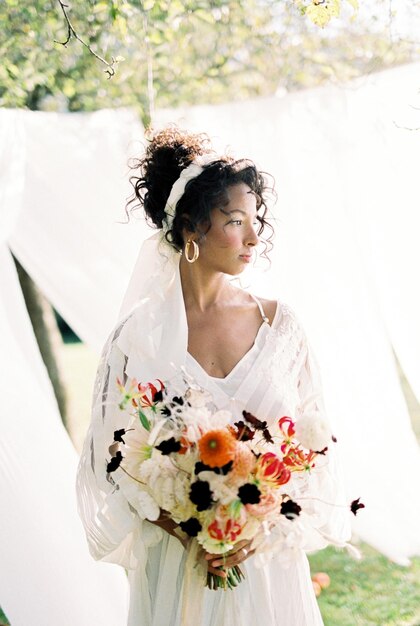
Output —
(219, 379)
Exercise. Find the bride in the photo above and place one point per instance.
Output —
(182, 311)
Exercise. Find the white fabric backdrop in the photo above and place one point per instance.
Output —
(47, 190)
(345, 259)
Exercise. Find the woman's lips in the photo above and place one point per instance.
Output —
(246, 257)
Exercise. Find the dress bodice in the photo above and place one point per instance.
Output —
(255, 383)
(231, 383)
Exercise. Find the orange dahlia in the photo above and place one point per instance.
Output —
(217, 447)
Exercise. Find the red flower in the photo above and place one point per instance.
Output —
(272, 469)
(287, 426)
(297, 459)
(230, 531)
(148, 392)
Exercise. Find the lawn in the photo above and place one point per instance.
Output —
(370, 592)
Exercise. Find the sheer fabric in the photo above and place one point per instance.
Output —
(47, 577)
(277, 377)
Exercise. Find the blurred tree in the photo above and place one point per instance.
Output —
(181, 52)
(47, 335)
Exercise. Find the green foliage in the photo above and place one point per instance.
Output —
(172, 53)
(3, 619)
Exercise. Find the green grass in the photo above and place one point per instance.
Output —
(370, 592)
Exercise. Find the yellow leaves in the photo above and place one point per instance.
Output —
(354, 4)
(320, 12)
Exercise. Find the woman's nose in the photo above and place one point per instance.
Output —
(252, 237)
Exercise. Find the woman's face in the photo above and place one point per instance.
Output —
(227, 246)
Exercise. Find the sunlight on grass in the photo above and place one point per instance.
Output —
(370, 592)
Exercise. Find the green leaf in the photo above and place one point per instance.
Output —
(144, 420)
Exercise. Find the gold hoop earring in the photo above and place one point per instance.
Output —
(196, 251)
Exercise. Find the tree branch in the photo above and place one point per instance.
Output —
(71, 32)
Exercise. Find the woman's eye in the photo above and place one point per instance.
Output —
(237, 222)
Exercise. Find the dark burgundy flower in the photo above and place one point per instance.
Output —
(201, 495)
(323, 451)
(169, 445)
(267, 435)
(118, 435)
(245, 433)
(166, 411)
(249, 494)
(178, 400)
(192, 526)
(225, 469)
(254, 421)
(114, 462)
(290, 509)
(334, 439)
(202, 467)
(356, 505)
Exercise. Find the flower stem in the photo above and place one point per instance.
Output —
(233, 578)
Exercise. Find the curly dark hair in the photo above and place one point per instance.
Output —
(168, 153)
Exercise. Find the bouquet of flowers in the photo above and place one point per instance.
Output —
(221, 481)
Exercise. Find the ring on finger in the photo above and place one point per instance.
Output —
(245, 551)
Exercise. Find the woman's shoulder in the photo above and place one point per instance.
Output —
(270, 308)
(279, 313)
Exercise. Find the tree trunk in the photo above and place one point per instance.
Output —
(47, 334)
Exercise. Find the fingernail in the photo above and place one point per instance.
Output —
(216, 563)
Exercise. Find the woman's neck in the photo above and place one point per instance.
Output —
(202, 289)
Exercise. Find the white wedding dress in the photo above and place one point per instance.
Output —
(278, 376)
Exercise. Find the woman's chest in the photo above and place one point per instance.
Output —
(219, 345)
(265, 382)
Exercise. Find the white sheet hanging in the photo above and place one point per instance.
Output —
(47, 576)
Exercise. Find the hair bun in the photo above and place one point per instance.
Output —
(169, 152)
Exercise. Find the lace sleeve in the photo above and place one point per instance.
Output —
(111, 525)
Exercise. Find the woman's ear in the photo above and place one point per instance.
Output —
(188, 230)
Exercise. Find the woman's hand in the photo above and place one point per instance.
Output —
(171, 527)
(237, 555)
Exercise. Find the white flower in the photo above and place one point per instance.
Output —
(222, 492)
(187, 461)
(156, 467)
(146, 505)
(197, 420)
(136, 449)
(139, 498)
(313, 431)
(220, 419)
(197, 397)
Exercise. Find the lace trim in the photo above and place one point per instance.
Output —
(285, 345)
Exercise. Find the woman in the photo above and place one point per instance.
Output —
(182, 311)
